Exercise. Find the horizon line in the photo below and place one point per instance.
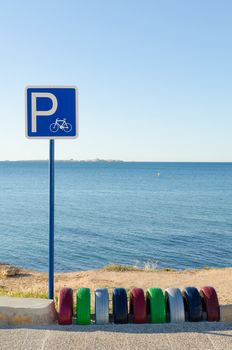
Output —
(112, 161)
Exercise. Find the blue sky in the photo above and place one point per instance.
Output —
(154, 77)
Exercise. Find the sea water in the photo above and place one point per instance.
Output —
(176, 215)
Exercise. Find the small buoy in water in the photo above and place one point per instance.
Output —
(158, 173)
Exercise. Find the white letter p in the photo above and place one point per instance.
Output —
(36, 113)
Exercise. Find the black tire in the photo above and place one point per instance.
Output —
(120, 307)
(193, 304)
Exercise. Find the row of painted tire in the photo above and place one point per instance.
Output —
(155, 307)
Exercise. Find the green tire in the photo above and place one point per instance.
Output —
(83, 306)
(155, 301)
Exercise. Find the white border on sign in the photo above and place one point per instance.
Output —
(50, 137)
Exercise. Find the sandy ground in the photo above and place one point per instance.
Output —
(32, 281)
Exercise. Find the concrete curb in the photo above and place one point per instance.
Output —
(226, 313)
(18, 311)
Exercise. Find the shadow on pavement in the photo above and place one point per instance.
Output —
(215, 328)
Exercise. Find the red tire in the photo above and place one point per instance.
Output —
(210, 303)
(65, 306)
(138, 305)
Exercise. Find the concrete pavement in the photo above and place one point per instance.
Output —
(194, 336)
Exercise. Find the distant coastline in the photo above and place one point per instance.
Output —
(69, 160)
(115, 161)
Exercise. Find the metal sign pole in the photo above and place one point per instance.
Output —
(58, 122)
(51, 218)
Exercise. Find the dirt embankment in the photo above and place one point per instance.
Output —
(27, 281)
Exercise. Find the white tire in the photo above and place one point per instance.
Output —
(101, 306)
(175, 304)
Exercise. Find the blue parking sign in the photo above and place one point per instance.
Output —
(51, 112)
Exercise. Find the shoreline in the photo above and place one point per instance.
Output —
(29, 283)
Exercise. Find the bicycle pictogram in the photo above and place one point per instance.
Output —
(60, 124)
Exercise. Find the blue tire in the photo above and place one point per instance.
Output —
(193, 304)
(120, 307)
